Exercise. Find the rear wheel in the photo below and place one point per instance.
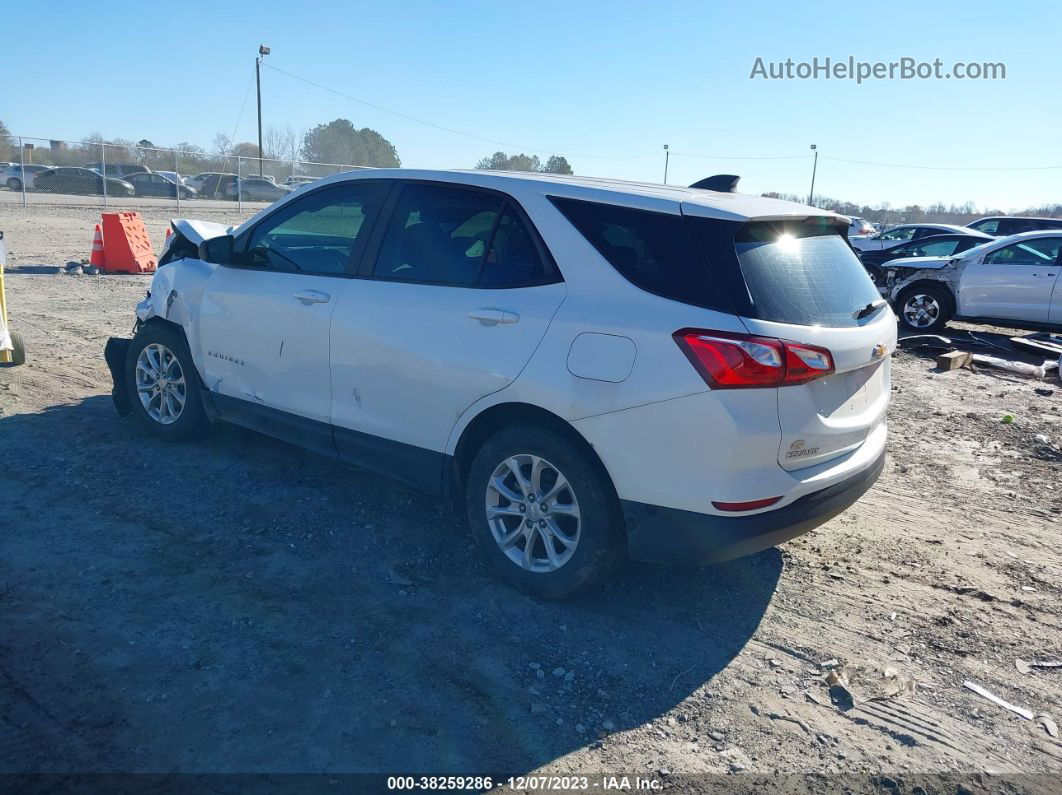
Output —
(14, 183)
(543, 513)
(163, 385)
(924, 308)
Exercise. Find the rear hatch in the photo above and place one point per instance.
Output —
(797, 279)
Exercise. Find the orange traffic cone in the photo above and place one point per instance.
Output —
(97, 248)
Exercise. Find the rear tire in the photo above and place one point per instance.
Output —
(924, 309)
(14, 184)
(163, 385)
(554, 531)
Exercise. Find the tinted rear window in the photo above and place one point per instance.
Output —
(802, 273)
(655, 251)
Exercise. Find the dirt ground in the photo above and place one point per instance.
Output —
(238, 605)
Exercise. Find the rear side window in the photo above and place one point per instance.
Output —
(802, 272)
(654, 251)
(460, 237)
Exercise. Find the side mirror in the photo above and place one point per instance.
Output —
(219, 250)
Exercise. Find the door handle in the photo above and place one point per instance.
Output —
(312, 297)
(490, 316)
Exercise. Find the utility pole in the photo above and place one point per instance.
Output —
(814, 168)
(263, 51)
(667, 155)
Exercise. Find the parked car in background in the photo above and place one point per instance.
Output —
(860, 227)
(213, 184)
(155, 184)
(14, 175)
(946, 245)
(905, 232)
(173, 176)
(257, 189)
(119, 170)
(555, 353)
(1002, 225)
(1010, 281)
(295, 182)
(81, 181)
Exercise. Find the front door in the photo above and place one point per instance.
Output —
(264, 324)
(1014, 282)
(450, 309)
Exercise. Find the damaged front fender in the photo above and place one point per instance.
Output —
(899, 274)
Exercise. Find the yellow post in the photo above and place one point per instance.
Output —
(5, 356)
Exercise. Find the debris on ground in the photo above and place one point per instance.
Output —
(1048, 724)
(997, 700)
(1022, 368)
(1025, 666)
(953, 360)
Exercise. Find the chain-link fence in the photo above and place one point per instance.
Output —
(132, 176)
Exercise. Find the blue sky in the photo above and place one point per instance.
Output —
(605, 83)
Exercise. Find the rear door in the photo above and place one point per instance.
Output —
(1014, 282)
(800, 282)
(264, 326)
(450, 306)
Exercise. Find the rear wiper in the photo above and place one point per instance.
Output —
(869, 309)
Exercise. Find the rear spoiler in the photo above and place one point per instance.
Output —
(721, 183)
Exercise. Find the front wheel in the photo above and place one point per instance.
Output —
(543, 513)
(14, 183)
(924, 308)
(163, 385)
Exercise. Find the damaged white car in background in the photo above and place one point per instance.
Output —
(1013, 281)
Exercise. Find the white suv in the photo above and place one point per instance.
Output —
(592, 369)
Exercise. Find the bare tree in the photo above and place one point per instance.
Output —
(281, 143)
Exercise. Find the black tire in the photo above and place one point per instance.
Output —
(935, 302)
(14, 183)
(191, 421)
(600, 546)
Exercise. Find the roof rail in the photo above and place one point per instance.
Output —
(722, 183)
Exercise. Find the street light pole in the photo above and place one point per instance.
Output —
(814, 168)
(263, 51)
(667, 156)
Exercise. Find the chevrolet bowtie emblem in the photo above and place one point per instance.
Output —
(879, 350)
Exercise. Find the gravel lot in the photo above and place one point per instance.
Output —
(238, 605)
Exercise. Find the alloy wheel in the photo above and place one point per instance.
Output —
(160, 384)
(921, 310)
(533, 513)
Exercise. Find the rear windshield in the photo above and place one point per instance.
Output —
(803, 273)
(800, 272)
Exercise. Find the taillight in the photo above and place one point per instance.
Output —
(743, 361)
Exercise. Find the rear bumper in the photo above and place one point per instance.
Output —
(669, 535)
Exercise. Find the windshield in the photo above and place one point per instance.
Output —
(804, 273)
